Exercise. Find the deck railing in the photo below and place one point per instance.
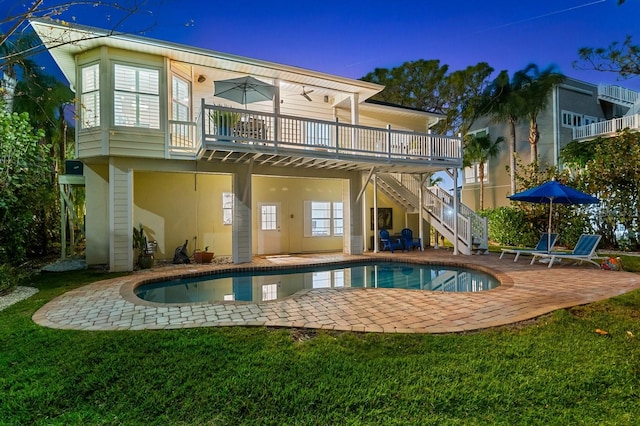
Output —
(219, 126)
(607, 128)
(618, 93)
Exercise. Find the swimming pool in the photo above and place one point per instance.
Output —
(262, 286)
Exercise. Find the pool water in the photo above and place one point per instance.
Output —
(278, 284)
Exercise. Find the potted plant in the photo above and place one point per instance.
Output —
(140, 244)
(225, 122)
(203, 256)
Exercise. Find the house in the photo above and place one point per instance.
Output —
(576, 110)
(297, 170)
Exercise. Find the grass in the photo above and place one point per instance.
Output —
(554, 370)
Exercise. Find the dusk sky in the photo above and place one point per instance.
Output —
(351, 38)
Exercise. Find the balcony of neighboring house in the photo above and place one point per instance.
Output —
(226, 134)
(628, 100)
(607, 128)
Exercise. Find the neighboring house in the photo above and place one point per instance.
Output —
(7, 90)
(294, 174)
(576, 110)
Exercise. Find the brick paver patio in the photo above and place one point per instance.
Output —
(527, 291)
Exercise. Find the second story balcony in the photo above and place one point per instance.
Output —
(240, 135)
(607, 128)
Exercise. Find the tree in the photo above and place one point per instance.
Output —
(621, 58)
(609, 168)
(416, 84)
(18, 43)
(503, 102)
(45, 99)
(536, 85)
(461, 89)
(479, 149)
(426, 85)
(24, 182)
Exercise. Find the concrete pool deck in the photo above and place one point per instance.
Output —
(527, 291)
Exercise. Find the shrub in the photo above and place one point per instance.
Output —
(510, 226)
(8, 279)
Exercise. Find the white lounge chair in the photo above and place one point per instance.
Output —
(584, 251)
(542, 247)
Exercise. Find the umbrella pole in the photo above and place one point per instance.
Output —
(549, 229)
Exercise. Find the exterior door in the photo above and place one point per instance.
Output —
(269, 232)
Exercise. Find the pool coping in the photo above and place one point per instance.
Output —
(526, 291)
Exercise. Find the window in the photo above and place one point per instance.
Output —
(136, 101)
(338, 219)
(180, 100)
(320, 219)
(472, 173)
(268, 218)
(323, 219)
(589, 120)
(227, 208)
(90, 97)
(572, 119)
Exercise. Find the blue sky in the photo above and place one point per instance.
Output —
(350, 38)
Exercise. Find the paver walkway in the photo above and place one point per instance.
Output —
(527, 291)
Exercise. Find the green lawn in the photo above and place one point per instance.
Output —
(555, 370)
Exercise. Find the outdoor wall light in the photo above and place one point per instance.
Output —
(202, 78)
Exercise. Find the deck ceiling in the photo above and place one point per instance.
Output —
(323, 161)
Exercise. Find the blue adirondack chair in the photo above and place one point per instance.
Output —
(409, 241)
(388, 242)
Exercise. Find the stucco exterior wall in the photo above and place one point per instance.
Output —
(174, 207)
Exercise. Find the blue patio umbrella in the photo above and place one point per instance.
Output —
(553, 192)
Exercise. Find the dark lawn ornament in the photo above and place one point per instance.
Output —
(181, 255)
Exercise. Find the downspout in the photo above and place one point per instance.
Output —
(556, 127)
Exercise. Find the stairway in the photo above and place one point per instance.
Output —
(438, 210)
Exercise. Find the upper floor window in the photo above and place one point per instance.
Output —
(180, 99)
(472, 173)
(136, 100)
(572, 119)
(90, 97)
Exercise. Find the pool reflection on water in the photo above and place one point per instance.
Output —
(278, 284)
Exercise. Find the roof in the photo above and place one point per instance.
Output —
(398, 109)
(65, 40)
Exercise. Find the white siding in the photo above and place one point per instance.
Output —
(121, 201)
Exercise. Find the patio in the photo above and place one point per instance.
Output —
(527, 291)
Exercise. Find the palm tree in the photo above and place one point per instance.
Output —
(503, 102)
(479, 149)
(535, 90)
